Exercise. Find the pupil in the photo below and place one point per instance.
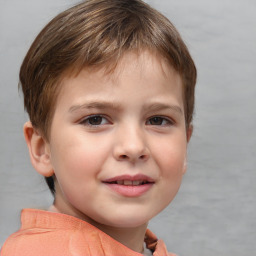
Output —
(156, 121)
(96, 120)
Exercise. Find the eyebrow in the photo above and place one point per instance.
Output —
(95, 105)
(162, 106)
(116, 106)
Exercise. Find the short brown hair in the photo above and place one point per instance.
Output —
(92, 34)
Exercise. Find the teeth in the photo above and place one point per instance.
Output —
(127, 182)
(130, 182)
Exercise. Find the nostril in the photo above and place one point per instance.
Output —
(143, 157)
(125, 157)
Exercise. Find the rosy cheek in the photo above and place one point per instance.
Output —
(83, 160)
(173, 163)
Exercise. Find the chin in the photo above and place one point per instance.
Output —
(128, 221)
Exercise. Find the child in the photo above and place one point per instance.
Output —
(109, 89)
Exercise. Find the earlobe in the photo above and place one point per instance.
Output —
(184, 167)
(38, 150)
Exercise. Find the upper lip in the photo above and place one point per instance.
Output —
(136, 177)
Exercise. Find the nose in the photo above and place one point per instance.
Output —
(131, 145)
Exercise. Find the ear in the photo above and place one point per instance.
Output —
(39, 150)
(189, 134)
(184, 166)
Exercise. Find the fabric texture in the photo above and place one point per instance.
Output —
(45, 233)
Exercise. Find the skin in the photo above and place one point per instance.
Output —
(139, 128)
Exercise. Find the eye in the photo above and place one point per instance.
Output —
(158, 120)
(94, 120)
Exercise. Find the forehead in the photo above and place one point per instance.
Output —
(145, 69)
(140, 59)
(144, 61)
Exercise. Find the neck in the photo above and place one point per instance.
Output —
(132, 238)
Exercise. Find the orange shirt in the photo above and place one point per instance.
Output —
(45, 233)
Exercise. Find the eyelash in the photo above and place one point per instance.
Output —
(162, 121)
(86, 121)
(166, 121)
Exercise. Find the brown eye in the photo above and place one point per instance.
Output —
(95, 120)
(159, 121)
(156, 120)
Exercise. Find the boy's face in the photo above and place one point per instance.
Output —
(118, 142)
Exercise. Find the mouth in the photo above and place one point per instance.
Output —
(130, 186)
(129, 182)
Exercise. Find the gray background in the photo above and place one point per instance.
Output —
(214, 212)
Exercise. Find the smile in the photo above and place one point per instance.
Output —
(130, 182)
(130, 186)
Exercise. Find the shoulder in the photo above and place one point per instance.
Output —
(41, 234)
(35, 242)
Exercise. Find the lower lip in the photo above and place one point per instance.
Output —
(130, 191)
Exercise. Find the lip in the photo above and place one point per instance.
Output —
(130, 177)
(130, 190)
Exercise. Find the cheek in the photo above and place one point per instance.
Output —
(172, 164)
(76, 168)
(171, 157)
(77, 163)
(171, 174)
(79, 155)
